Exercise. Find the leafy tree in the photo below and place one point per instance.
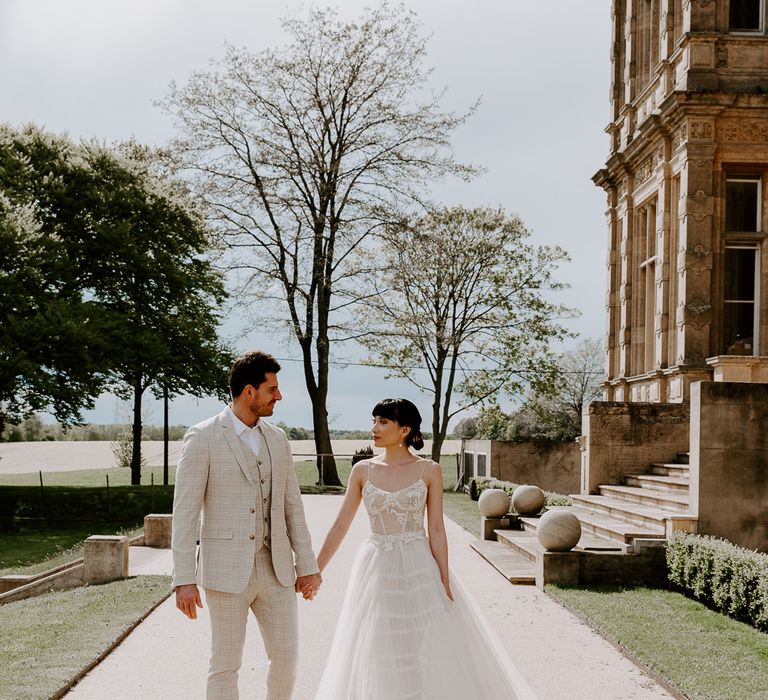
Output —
(302, 154)
(105, 281)
(492, 423)
(50, 341)
(460, 307)
(160, 293)
(554, 412)
(466, 428)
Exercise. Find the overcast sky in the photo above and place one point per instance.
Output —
(93, 68)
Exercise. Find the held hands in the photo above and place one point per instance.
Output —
(188, 600)
(308, 585)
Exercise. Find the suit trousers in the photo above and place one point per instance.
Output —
(276, 612)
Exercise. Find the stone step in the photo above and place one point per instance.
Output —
(653, 482)
(600, 531)
(645, 516)
(524, 543)
(647, 497)
(589, 541)
(680, 471)
(512, 565)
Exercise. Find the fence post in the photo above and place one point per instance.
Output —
(109, 508)
(42, 493)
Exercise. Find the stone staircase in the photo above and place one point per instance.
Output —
(621, 526)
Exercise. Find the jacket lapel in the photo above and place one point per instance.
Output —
(228, 431)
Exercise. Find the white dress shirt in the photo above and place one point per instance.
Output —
(250, 437)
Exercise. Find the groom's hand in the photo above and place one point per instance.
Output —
(308, 585)
(188, 600)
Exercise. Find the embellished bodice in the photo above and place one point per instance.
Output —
(395, 516)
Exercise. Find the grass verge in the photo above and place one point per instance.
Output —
(42, 638)
(460, 508)
(698, 651)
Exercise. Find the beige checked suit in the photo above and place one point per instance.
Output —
(251, 527)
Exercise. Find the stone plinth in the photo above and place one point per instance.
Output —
(157, 530)
(728, 458)
(105, 558)
(488, 525)
(739, 368)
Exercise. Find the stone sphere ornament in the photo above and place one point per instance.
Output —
(493, 503)
(527, 499)
(558, 530)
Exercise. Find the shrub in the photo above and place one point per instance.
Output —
(481, 483)
(728, 578)
(361, 454)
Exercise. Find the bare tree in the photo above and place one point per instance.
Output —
(460, 307)
(553, 411)
(302, 153)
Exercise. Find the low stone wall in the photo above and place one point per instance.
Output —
(552, 466)
(622, 437)
(729, 461)
(105, 559)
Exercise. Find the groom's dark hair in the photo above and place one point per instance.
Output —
(250, 368)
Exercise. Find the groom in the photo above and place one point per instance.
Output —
(237, 470)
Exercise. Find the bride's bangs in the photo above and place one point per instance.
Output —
(387, 408)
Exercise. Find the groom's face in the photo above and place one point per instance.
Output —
(264, 397)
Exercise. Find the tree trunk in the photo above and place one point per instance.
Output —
(318, 392)
(138, 392)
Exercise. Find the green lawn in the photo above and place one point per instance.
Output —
(43, 640)
(89, 477)
(699, 651)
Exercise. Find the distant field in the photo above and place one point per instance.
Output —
(31, 457)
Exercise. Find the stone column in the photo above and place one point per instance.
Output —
(105, 558)
(696, 242)
(157, 530)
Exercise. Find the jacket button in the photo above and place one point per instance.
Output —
(253, 510)
(260, 462)
(263, 481)
(253, 537)
(265, 500)
(265, 520)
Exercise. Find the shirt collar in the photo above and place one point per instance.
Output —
(238, 425)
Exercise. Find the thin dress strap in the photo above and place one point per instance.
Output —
(423, 468)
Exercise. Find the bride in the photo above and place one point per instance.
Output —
(406, 630)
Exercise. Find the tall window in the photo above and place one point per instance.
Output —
(740, 317)
(677, 20)
(742, 204)
(743, 208)
(745, 15)
(646, 303)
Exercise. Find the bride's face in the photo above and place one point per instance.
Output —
(388, 433)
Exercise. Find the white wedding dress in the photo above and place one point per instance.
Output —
(399, 636)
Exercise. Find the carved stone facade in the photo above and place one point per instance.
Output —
(686, 182)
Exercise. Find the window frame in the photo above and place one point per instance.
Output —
(749, 32)
(755, 247)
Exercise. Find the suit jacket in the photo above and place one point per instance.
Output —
(213, 481)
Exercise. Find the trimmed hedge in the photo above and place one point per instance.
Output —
(478, 484)
(728, 578)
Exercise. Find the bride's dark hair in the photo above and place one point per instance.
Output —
(404, 413)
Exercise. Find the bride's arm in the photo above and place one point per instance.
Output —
(343, 520)
(438, 541)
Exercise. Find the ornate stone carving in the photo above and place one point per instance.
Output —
(722, 57)
(701, 130)
(678, 139)
(743, 132)
(698, 306)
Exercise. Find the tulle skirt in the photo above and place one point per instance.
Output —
(399, 636)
